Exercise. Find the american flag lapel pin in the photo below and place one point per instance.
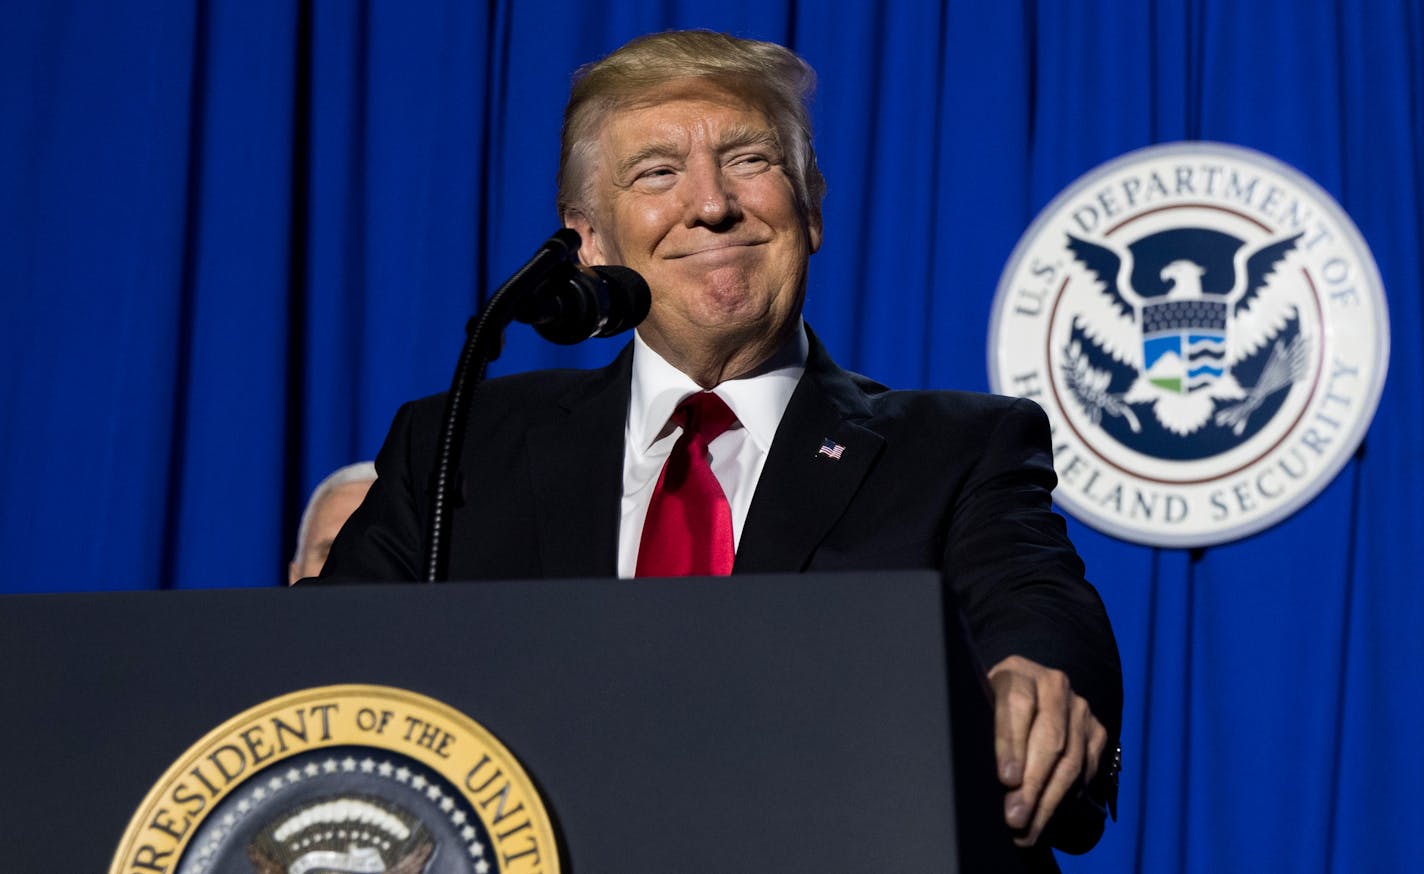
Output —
(831, 449)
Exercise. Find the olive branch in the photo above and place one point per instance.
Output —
(1090, 386)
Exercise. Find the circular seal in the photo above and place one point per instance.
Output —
(1207, 332)
(348, 779)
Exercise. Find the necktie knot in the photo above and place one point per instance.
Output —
(704, 415)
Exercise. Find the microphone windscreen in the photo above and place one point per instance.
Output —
(629, 299)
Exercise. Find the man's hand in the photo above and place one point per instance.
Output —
(1046, 739)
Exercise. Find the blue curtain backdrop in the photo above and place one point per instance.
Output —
(236, 234)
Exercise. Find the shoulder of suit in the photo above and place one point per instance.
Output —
(938, 402)
(974, 416)
(527, 391)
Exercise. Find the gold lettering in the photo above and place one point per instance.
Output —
(298, 732)
(163, 821)
(150, 859)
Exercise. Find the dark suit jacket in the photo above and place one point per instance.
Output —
(948, 480)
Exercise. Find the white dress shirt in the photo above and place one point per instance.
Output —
(737, 455)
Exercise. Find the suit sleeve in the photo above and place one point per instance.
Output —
(1019, 581)
(383, 541)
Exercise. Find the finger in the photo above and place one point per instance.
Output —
(1097, 742)
(1015, 701)
(1066, 771)
(1047, 740)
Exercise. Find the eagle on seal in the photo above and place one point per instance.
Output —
(343, 834)
(1184, 343)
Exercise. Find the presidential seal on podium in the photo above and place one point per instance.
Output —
(343, 780)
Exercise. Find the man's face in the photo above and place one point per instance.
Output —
(328, 517)
(691, 190)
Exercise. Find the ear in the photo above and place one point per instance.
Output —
(591, 252)
(813, 232)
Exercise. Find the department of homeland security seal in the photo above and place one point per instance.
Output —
(1207, 332)
(343, 780)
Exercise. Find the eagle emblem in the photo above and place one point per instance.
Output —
(1206, 331)
(1200, 326)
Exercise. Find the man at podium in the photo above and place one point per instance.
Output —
(724, 439)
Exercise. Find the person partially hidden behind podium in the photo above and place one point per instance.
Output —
(724, 439)
(331, 503)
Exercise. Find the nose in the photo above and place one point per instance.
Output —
(711, 198)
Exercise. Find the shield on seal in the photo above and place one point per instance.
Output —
(1184, 343)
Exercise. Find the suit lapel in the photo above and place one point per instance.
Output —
(576, 465)
(802, 492)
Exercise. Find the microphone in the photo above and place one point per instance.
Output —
(565, 303)
(574, 303)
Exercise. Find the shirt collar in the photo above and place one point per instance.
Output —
(758, 399)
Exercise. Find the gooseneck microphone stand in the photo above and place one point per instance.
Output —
(566, 304)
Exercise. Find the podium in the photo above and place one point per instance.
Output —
(825, 722)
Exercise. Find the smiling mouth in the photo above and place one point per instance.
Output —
(718, 247)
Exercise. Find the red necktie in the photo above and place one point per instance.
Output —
(688, 531)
